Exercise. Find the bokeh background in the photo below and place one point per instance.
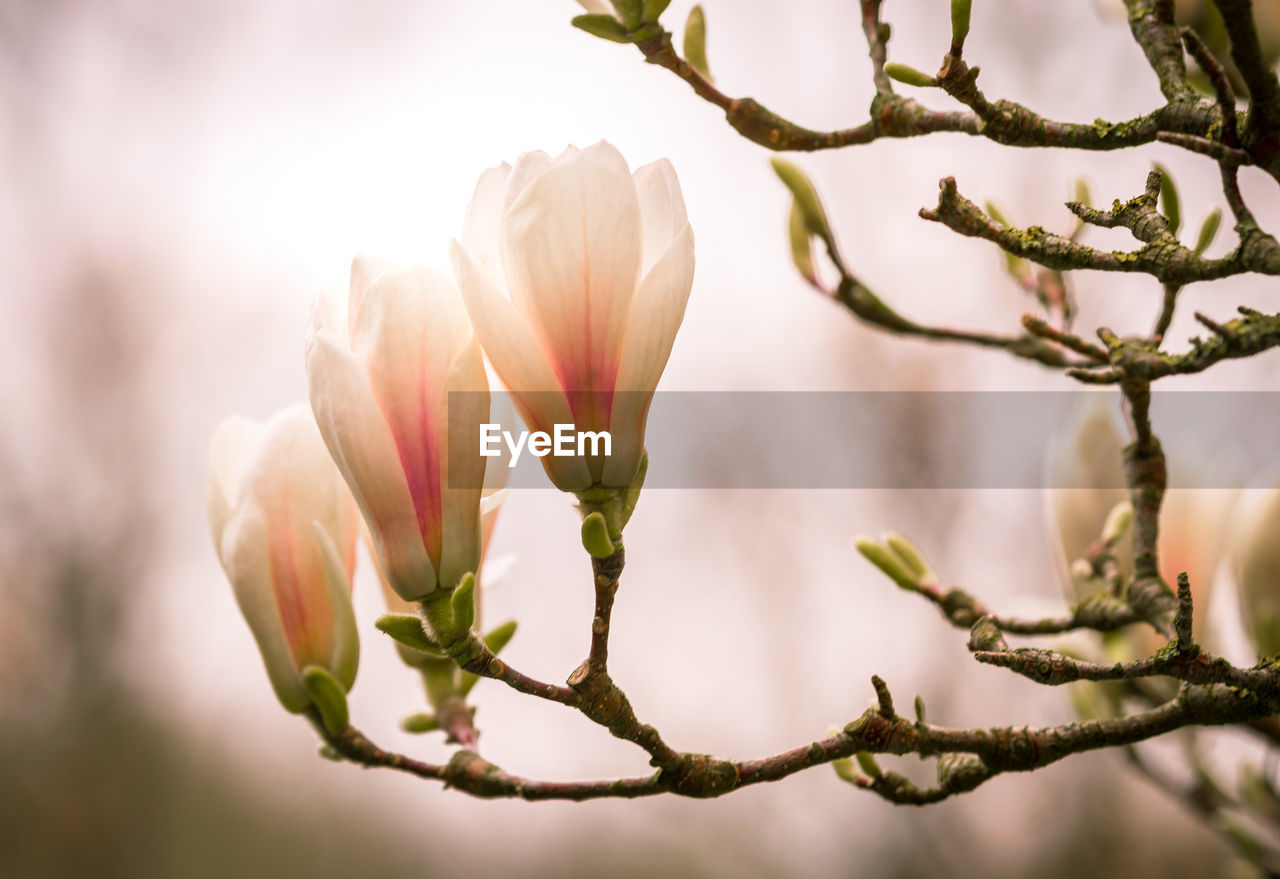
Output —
(180, 178)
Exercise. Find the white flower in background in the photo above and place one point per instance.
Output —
(1255, 565)
(1086, 479)
(381, 372)
(576, 273)
(284, 526)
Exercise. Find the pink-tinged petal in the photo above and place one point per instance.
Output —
(329, 311)
(230, 454)
(656, 314)
(662, 210)
(462, 466)
(280, 486)
(483, 221)
(410, 329)
(360, 441)
(571, 254)
(245, 555)
(294, 483)
(528, 166)
(365, 269)
(519, 361)
(344, 657)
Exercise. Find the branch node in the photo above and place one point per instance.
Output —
(883, 697)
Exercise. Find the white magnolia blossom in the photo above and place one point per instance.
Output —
(382, 372)
(1255, 566)
(576, 272)
(284, 526)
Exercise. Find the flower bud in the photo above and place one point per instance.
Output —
(909, 75)
(576, 273)
(381, 377)
(695, 42)
(284, 526)
(888, 561)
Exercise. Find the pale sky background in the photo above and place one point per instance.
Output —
(235, 156)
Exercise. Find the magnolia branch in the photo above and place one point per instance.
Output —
(1215, 693)
(968, 757)
(1004, 122)
(1162, 256)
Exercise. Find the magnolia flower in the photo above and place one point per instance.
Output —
(1255, 564)
(284, 526)
(576, 273)
(383, 372)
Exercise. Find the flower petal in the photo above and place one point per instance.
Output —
(571, 255)
(246, 558)
(517, 357)
(410, 328)
(480, 227)
(294, 483)
(528, 166)
(661, 209)
(365, 269)
(462, 466)
(656, 315)
(230, 454)
(345, 656)
(360, 441)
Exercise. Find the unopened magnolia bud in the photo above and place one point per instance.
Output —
(653, 9)
(420, 723)
(815, 216)
(960, 10)
(1208, 230)
(695, 42)
(801, 243)
(1083, 196)
(604, 26)
(867, 762)
(1117, 524)
(629, 11)
(911, 557)
(1014, 266)
(1169, 200)
(887, 561)
(844, 769)
(909, 75)
(284, 526)
(500, 636)
(595, 536)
